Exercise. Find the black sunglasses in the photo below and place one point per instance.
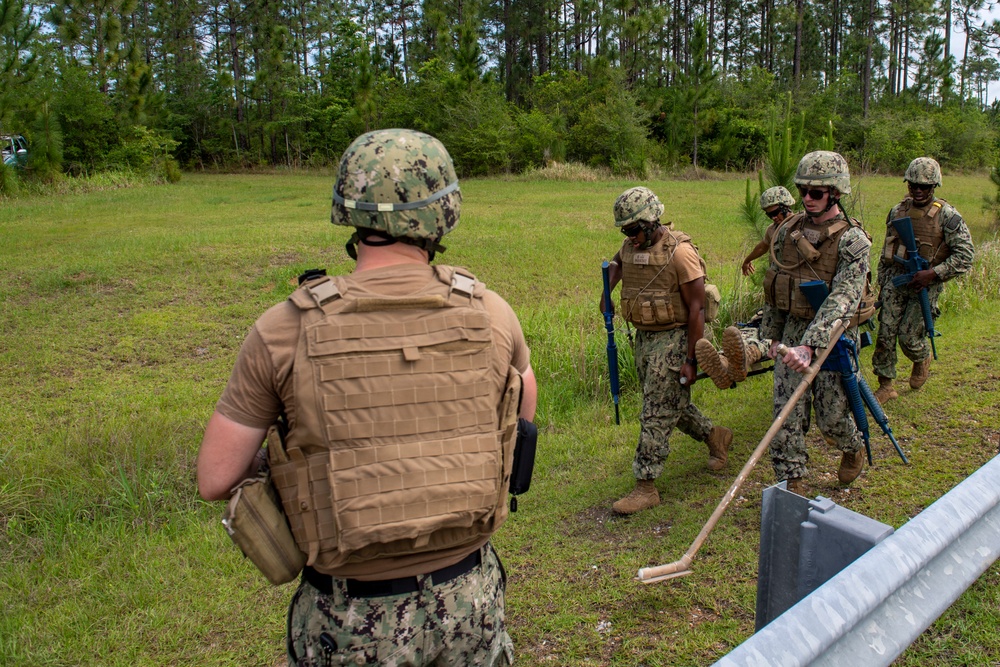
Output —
(632, 231)
(921, 187)
(813, 193)
(773, 214)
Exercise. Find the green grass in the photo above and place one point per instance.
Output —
(121, 312)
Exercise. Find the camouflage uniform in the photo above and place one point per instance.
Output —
(833, 414)
(900, 318)
(461, 621)
(666, 403)
(661, 350)
(752, 338)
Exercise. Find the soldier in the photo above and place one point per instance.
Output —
(742, 346)
(945, 242)
(777, 203)
(819, 243)
(664, 296)
(399, 384)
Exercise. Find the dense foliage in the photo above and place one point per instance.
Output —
(508, 85)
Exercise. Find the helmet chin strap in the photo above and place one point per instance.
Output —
(830, 203)
(648, 230)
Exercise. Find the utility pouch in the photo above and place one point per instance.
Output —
(256, 523)
(806, 249)
(782, 292)
(712, 300)
(769, 277)
(524, 459)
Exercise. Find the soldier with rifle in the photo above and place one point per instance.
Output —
(665, 297)
(821, 243)
(945, 251)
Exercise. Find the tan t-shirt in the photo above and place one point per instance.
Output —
(769, 232)
(260, 387)
(687, 263)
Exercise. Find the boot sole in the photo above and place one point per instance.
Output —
(732, 345)
(711, 363)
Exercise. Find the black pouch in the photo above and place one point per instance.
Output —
(524, 460)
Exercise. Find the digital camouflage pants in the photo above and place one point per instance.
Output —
(826, 395)
(901, 320)
(457, 623)
(666, 403)
(750, 332)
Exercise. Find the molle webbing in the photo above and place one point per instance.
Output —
(650, 296)
(927, 230)
(402, 448)
(781, 286)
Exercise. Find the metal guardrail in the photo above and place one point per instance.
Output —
(876, 607)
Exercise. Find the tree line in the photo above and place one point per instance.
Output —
(507, 84)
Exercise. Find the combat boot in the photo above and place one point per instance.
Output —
(850, 466)
(740, 356)
(716, 367)
(885, 391)
(718, 447)
(643, 496)
(921, 370)
(796, 485)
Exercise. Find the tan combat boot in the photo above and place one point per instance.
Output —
(643, 496)
(885, 391)
(740, 356)
(716, 367)
(918, 376)
(718, 447)
(850, 466)
(796, 485)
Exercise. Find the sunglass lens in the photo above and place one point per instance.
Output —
(632, 231)
(813, 194)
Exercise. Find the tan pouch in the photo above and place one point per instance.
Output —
(769, 277)
(646, 317)
(663, 312)
(256, 523)
(712, 300)
(782, 292)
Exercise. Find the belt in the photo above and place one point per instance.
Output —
(399, 586)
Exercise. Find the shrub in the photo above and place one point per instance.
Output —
(613, 133)
(479, 132)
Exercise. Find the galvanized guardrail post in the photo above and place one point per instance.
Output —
(872, 610)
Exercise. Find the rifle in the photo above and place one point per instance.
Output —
(844, 360)
(913, 263)
(609, 324)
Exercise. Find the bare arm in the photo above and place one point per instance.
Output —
(614, 277)
(529, 394)
(758, 251)
(693, 294)
(227, 456)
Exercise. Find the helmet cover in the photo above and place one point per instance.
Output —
(824, 168)
(637, 204)
(923, 171)
(776, 196)
(399, 182)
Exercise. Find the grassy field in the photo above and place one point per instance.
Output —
(121, 313)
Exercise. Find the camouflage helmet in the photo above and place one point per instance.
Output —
(637, 205)
(923, 171)
(399, 182)
(776, 196)
(824, 168)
